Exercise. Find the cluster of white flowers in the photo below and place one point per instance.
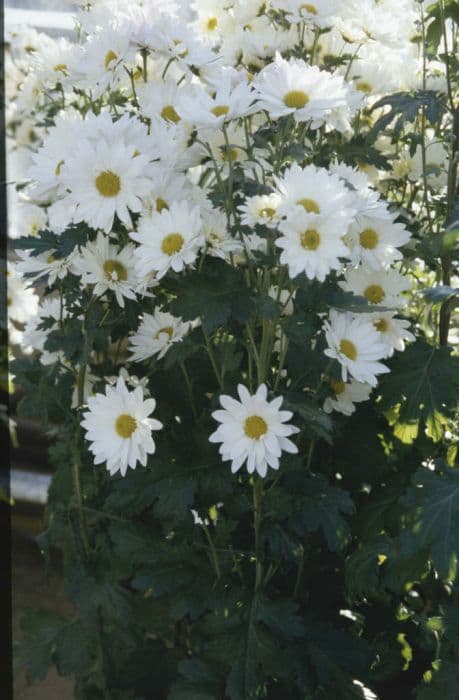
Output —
(158, 103)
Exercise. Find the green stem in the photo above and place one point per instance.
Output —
(299, 575)
(257, 496)
(189, 389)
(212, 358)
(76, 467)
(213, 551)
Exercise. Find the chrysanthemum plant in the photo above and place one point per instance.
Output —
(252, 391)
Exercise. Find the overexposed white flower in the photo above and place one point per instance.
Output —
(378, 287)
(311, 95)
(118, 427)
(206, 111)
(393, 332)
(105, 179)
(261, 209)
(355, 343)
(346, 394)
(312, 244)
(156, 334)
(375, 241)
(316, 191)
(170, 239)
(107, 266)
(253, 430)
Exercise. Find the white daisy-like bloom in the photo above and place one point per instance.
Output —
(346, 395)
(106, 179)
(312, 244)
(261, 209)
(170, 141)
(253, 430)
(310, 94)
(44, 265)
(21, 303)
(393, 332)
(219, 148)
(316, 191)
(366, 201)
(355, 343)
(118, 427)
(35, 338)
(378, 287)
(166, 188)
(230, 101)
(25, 218)
(319, 13)
(375, 241)
(219, 241)
(98, 66)
(158, 99)
(213, 19)
(107, 267)
(156, 335)
(168, 240)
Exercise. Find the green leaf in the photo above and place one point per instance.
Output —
(406, 106)
(61, 245)
(440, 293)
(363, 567)
(35, 651)
(434, 499)
(281, 616)
(422, 386)
(440, 683)
(322, 507)
(317, 421)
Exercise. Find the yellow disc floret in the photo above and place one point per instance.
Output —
(115, 267)
(109, 57)
(310, 239)
(255, 427)
(374, 293)
(348, 348)
(169, 114)
(369, 238)
(220, 110)
(309, 205)
(338, 387)
(125, 425)
(108, 184)
(296, 99)
(172, 243)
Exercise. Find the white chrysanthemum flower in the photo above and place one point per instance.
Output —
(375, 241)
(319, 13)
(168, 240)
(365, 200)
(166, 188)
(312, 244)
(393, 332)
(159, 99)
(230, 101)
(21, 300)
(25, 218)
(311, 95)
(118, 427)
(219, 241)
(107, 266)
(44, 265)
(170, 142)
(378, 287)
(213, 19)
(345, 396)
(104, 180)
(156, 334)
(35, 337)
(356, 344)
(316, 191)
(253, 430)
(221, 153)
(261, 209)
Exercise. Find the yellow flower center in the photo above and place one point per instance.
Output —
(60, 67)
(108, 183)
(267, 212)
(161, 204)
(50, 259)
(167, 329)
(172, 243)
(363, 86)
(338, 387)
(309, 205)
(348, 348)
(296, 99)
(369, 238)
(114, 266)
(109, 57)
(255, 427)
(310, 239)
(309, 8)
(125, 425)
(374, 293)
(58, 167)
(9, 301)
(220, 110)
(229, 153)
(212, 23)
(169, 114)
(382, 325)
